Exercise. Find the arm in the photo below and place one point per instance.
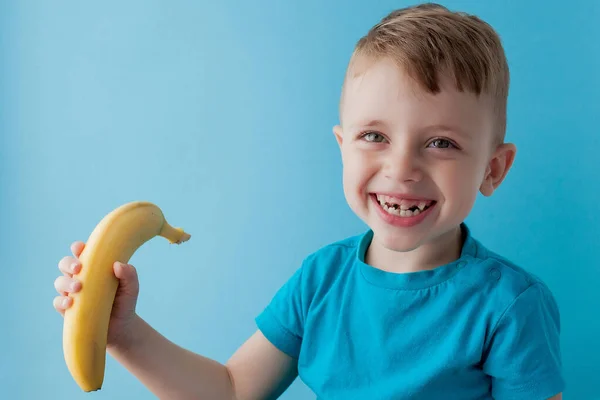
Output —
(261, 371)
(256, 371)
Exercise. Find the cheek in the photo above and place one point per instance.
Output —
(459, 183)
(359, 169)
(357, 174)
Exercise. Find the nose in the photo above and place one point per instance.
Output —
(403, 165)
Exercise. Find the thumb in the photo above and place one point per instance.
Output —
(128, 278)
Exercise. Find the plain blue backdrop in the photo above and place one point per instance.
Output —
(221, 113)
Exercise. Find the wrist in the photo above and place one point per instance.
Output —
(128, 337)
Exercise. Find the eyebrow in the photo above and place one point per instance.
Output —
(436, 127)
(374, 122)
(447, 128)
(369, 124)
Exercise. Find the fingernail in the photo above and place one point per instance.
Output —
(65, 302)
(74, 267)
(73, 286)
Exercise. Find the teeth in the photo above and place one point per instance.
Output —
(400, 212)
(401, 207)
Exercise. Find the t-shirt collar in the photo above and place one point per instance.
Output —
(419, 279)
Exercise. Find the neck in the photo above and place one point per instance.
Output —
(441, 250)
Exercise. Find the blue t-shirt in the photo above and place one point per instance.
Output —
(477, 328)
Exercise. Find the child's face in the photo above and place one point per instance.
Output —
(398, 140)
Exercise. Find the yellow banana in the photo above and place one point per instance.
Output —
(116, 238)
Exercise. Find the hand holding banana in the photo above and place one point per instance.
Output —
(99, 290)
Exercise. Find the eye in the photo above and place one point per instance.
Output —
(373, 137)
(441, 144)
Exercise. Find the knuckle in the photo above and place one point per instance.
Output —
(60, 303)
(77, 246)
(64, 262)
(61, 283)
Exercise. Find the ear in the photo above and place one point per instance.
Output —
(498, 167)
(339, 134)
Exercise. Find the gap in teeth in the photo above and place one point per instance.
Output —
(421, 205)
(403, 210)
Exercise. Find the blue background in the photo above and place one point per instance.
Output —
(221, 113)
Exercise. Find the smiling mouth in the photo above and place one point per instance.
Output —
(401, 207)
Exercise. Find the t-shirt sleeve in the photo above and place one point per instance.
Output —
(282, 321)
(523, 356)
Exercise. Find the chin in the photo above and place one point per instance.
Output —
(395, 241)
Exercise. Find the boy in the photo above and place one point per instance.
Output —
(415, 307)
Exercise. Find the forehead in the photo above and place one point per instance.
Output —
(380, 90)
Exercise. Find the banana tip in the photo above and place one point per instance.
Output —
(183, 238)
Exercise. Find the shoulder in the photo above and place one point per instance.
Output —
(324, 265)
(512, 288)
(513, 279)
(523, 323)
(337, 251)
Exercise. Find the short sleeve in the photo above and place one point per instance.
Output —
(523, 356)
(282, 321)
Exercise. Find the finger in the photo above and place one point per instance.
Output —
(61, 303)
(77, 247)
(64, 284)
(69, 265)
(128, 277)
(123, 271)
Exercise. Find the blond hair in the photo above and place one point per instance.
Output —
(429, 39)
